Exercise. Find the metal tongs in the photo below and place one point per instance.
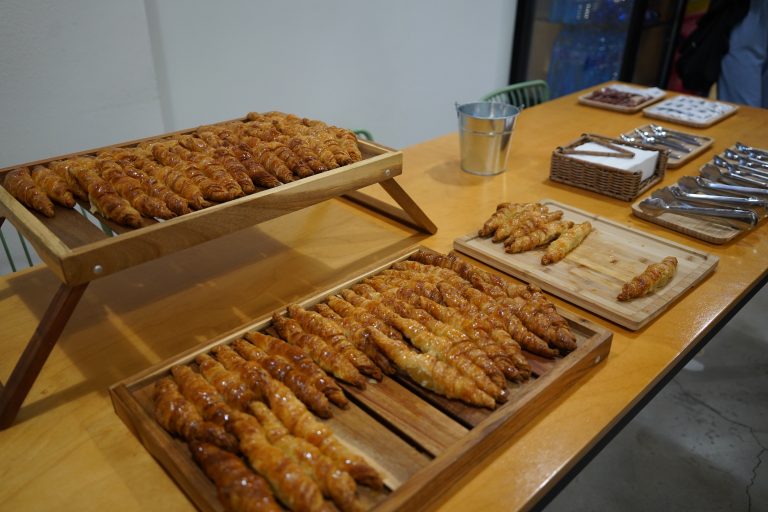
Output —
(717, 187)
(682, 137)
(742, 170)
(663, 201)
(655, 140)
(745, 160)
(693, 194)
(714, 173)
(756, 153)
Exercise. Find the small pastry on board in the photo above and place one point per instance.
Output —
(656, 276)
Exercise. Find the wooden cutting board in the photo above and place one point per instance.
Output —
(592, 275)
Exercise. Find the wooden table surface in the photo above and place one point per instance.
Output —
(69, 451)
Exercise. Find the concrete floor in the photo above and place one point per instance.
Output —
(701, 444)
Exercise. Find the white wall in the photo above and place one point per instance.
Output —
(74, 75)
(394, 67)
(80, 74)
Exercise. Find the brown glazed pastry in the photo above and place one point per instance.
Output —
(177, 181)
(460, 343)
(239, 489)
(61, 167)
(537, 238)
(202, 394)
(348, 141)
(356, 333)
(236, 180)
(325, 355)
(291, 159)
(532, 222)
(363, 317)
(298, 360)
(302, 423)
(429, 343)
(278, 368)
(228, 383)
(431, 373)
(104, 199)
(256, 171)
(334, 482)
(504, 212)
(655, 276)
(315, 323)
(250, 372)
(155, 188)
(53, 185)
(21, 186)
(565, 243)
(133, 190)
(303, 151)
(178, 416)
(530, 214)
(210, 188)
(269, 160)
(292, 486)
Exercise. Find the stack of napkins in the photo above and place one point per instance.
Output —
(642, 160)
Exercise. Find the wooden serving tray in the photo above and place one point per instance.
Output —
(423, 445)
(657, 112)
(592, 275)
(702, 229)
(77, 251)
(677, 158)
(585, 100)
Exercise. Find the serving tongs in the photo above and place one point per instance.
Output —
(723, 188)
(655, 140)
(741, 170)
(714, 173)
(746, 160)
(662, 201)
(756, 153)
(671, 134)
(691, 193)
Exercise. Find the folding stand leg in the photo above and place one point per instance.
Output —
(38, 349)
(410, 214)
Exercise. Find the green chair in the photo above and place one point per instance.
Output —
(363, 134)
(522, 94)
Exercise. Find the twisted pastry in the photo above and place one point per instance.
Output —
(21, 186)
(303, 363)
(178, 416)
(238, 488)
(54, 185)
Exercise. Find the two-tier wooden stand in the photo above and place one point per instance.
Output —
(78, 252)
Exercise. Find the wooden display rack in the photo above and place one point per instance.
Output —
(78, 252)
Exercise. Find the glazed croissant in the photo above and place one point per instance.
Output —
(238, 487)
(565, 243)
(655, 276)
(53, 185)
(19, 184)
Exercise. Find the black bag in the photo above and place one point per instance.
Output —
(702, 51)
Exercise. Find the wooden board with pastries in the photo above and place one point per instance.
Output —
(592, 275)
(79, 250)
(420, 442)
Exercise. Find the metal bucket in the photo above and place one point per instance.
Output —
(485, 131)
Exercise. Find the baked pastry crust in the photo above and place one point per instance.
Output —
(19, 183)
(655, 276)
(565, 243)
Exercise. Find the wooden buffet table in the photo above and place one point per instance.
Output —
(68, 450)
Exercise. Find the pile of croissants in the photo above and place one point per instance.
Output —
(167, 177)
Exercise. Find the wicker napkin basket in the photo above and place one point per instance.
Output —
(626, 185)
